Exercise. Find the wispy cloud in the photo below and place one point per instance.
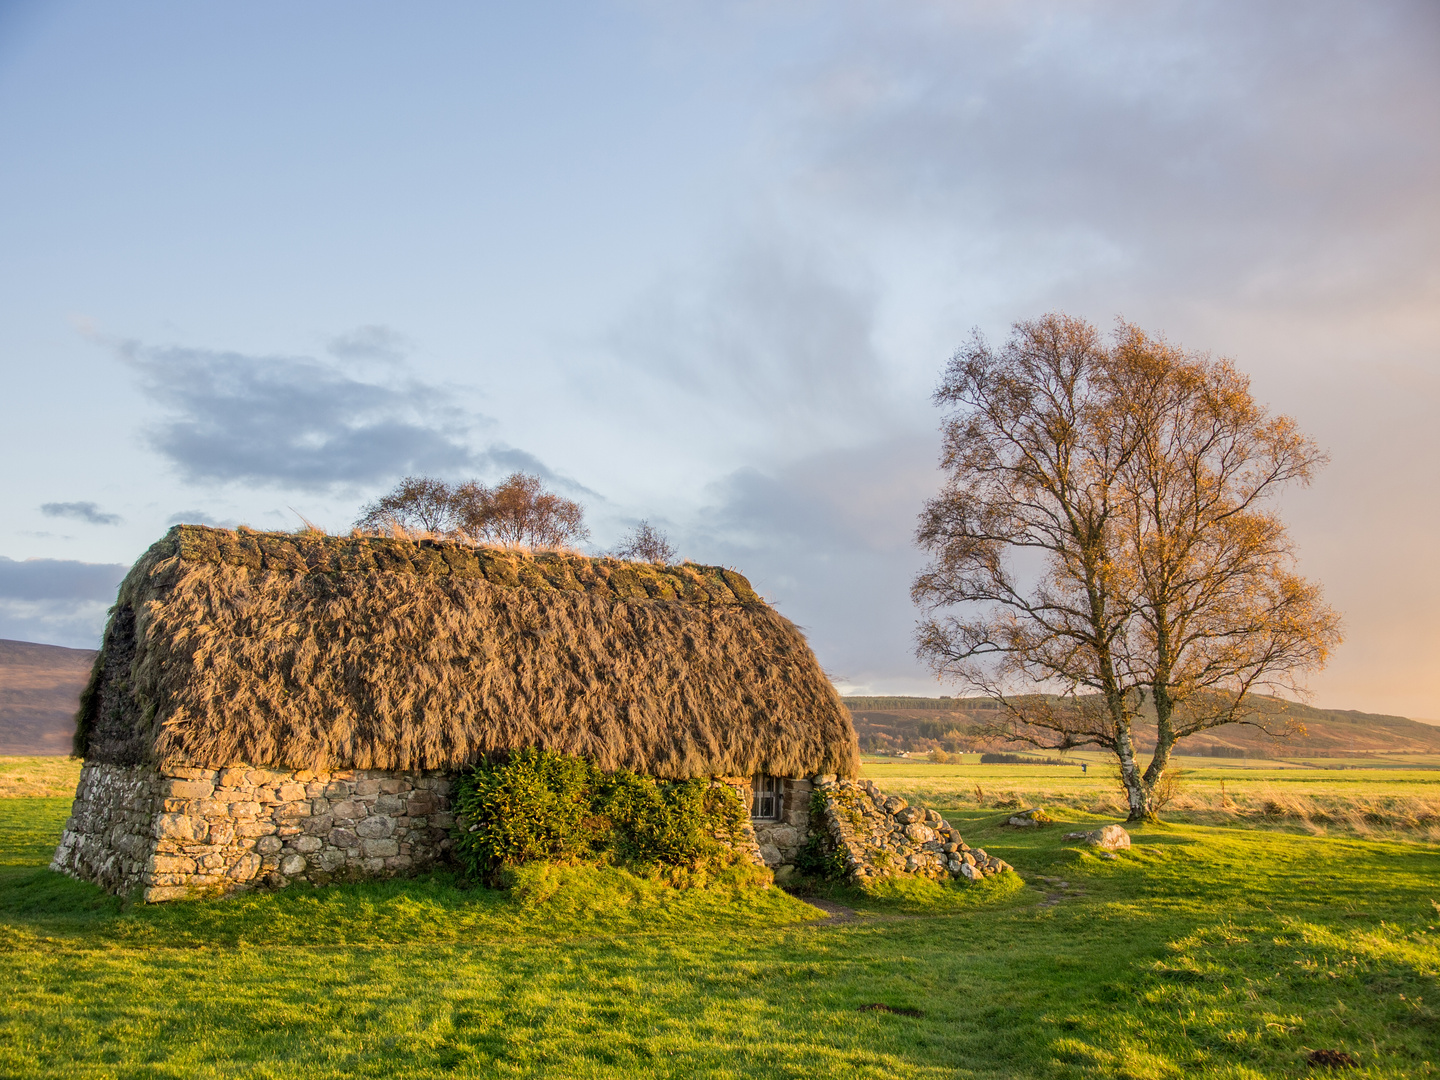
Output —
(59, 579)
(296, 421)
(371, 343)
(81, 511)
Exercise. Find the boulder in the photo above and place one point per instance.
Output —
(1110, 838)
(1028, 819)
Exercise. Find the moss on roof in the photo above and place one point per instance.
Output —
(316, 553)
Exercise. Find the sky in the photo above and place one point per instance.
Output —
(701, 264)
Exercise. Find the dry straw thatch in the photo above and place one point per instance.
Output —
(317, 652)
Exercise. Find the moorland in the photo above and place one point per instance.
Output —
(1294, 909)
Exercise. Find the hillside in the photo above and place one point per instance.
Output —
(888, 724)
(39, 692)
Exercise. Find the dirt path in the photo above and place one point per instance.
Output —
(838, 914)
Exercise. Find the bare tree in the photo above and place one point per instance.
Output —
(645, 543)
(1103, 555)
(416, 504)
(517, 512)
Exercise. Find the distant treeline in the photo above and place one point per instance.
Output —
(1022, 759)
(940, 704)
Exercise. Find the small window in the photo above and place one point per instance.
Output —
(768, 792)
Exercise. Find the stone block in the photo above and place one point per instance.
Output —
(268, 845)
(330, 860)
(264, 777)
(373, 865)
(190, 789)
(248, 830)
(350, 809)
(389, 804)
(343, 838)
(232, 778)
(339, 789)
(186, 773)
(291, 865)
(157, 894)
(375, 827)
(398, 862)
(169, 864)
(367, 787)
(179, 827)
(292, 809)
(393, 785)
(291, 792)
(307, 844)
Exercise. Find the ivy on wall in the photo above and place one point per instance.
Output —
(535, 805)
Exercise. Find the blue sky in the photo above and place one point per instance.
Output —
(701, 264)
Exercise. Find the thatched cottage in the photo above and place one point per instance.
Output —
(269, 708)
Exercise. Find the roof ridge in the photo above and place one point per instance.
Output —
(321, 553)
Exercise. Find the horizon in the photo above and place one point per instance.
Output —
(702, 266)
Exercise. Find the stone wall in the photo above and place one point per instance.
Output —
(877, 835)
(203, 832)
(196, 832)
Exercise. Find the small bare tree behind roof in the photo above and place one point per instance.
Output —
(517, 512)
(416, 504)
(645, 543)
(1166, 595)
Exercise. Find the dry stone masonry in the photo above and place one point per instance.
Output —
(198, 832)
(185, 832)
(878, 835)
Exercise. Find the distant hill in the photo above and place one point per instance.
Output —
(917, 723)
(39, 692)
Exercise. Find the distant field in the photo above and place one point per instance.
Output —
(1361, 797)
(38, 777)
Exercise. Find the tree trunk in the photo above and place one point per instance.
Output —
(1136, 793)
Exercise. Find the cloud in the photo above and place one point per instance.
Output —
(57, 601)
(82, 511)
(1114, 150)
(59, 579)
(371, 343)
(827, 539)
(775, 337)
(295, 421)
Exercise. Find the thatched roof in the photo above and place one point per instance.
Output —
(320, 652)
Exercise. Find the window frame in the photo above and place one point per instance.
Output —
(767, 789)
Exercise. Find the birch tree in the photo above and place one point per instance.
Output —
(1106, 562)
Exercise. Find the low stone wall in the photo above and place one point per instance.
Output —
(196, 832)
(111, 832)
(202, 832)
(877, 835)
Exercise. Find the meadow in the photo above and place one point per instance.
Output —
(1224, 948)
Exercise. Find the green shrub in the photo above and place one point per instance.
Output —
(538, 806)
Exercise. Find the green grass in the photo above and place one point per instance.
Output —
(1205, 951)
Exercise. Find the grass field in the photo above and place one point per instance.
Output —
(1394, 798)
(1208, 950)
